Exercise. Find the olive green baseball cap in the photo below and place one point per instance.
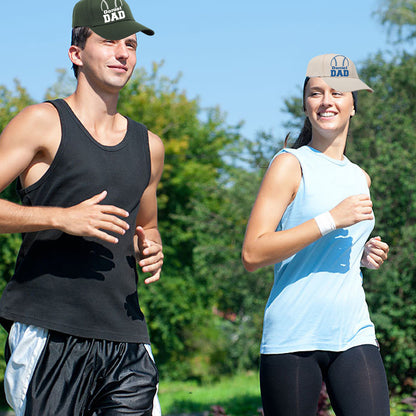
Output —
(111, 19)
(337, 71)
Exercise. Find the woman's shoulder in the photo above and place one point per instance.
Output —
(292, 156)
(285, 165)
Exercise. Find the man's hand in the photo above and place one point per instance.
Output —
(375, 253)
(89, 219)
(151, 256)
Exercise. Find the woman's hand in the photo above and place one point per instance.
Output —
(351, 210)
(375, 253)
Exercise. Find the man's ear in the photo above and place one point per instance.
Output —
(74, 55)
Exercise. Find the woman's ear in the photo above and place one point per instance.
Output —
(352, 112)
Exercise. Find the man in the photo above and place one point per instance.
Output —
(87, 177)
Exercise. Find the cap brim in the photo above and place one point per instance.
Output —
(120, 30)
(346, 84)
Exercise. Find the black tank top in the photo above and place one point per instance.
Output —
(83, 286)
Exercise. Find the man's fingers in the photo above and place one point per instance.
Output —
(105, 237)
(153, 278)
(141, 239)
(109, 226)
(153, 254)
(113, 210)
(148, 261)
(151, 250)
(140, 233)
(111, 219)
(96, 199)
(107, 209)
(153, 267)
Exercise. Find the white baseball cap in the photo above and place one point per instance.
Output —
(337, 71)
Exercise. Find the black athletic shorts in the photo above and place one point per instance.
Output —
(85, 377)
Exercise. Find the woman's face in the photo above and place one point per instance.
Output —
(328, 110)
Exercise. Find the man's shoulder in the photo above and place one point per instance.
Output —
(157, 155)
(154, 138)
(34, 120)
(156, 146)
(41, 115)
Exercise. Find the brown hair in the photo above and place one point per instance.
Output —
(79, 38)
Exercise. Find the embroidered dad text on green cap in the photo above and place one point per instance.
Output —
(337, 71)
(111, 19)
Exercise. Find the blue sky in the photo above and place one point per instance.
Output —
(245, 56)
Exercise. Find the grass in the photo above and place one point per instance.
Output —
(399, 409)
(238, 396)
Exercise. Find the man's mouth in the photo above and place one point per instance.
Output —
(118, 67)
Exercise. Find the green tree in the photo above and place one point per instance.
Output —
(399, 16)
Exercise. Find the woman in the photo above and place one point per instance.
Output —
(311, 219)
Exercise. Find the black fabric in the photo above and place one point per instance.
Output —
(83, 377)
(83, 286)
(355, 379)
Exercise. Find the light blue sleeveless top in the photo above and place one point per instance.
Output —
(317, 301)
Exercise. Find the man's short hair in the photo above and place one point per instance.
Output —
(79, 38)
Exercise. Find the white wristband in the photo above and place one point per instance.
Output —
(325, 223)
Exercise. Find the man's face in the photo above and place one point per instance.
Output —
(108, 64)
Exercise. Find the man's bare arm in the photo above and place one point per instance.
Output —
(28, 146)
(148, 244)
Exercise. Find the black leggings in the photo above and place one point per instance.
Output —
(355, 379)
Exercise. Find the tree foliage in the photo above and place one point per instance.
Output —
(399, 16)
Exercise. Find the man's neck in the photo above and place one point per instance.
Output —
(98, 113)
(87, 98)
